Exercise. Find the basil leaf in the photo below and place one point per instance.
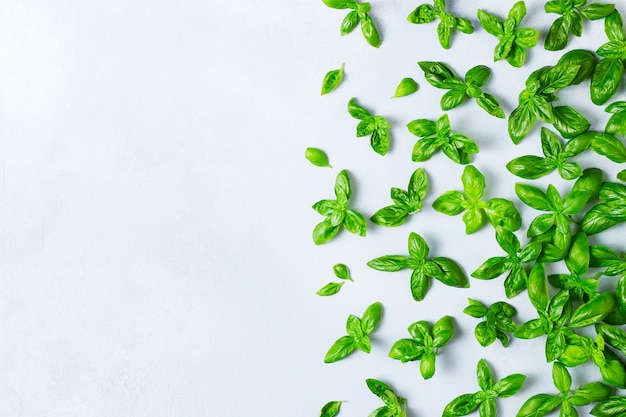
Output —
(491, 105)
(390, 216)
(317, 157)
(354, 222)
(557, 78)
(450, 203)
(342, 347)
(332, 79)
(616, 123)
(520, 123)
(324, 232)
(461, 406)
(537, 287)
(473, 182)
(492, 268)
(371, 317)
(586, 60)
(390, 263)
(349, 23)
(422, 127)
(538, 405)
(483, 374)
(423, 14)
(509, 385)
(453, 274)
(531, 329)
(597, 11)
(532, 196)
(609, 146)
(443, 331)
(340, 4)
(406, 350)
(530, 166)
(342, 272)
(478, 75)
(613, 26)
(490, 23)
(330, 289)
(594, 310)
(606, 79)
(475, 309)
(369, 31)
(406, 87)
(561, 378)
(452, 99)
(569, 122)
(611, 407)
(558, 35)
(357, 111)
(331, 409)
(443, 33)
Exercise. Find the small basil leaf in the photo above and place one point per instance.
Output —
(342, 272)
(342, 347)
(390, 216)
(317, 157)
(371, 317)
(332, 79)
(390, 263)
(330, 289)
(349, 23)
(406, 87)
(331, 409)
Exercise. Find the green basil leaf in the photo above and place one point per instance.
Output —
(483, 374)
(452, 99)
(357, 111)
(330, 289)
(371, 317)
(478, 75)
(561, 378)
(594, 392)
(611, 407)
(521, 121)
(443, 331)
(554, 6)
(484, 334)
(597, 219)
(422, 14)
(418, 248)
(324, 232)
(502, 213)
(570, 170)
(517, 12)
(453, 274)
(532, 196)
(475, 309)
(531, 167)
(526, 37)
(424, 149)
(464, 25)
(354, 222)
(390, 216)
(418, 185)
(531, 329)
(490, 23)
(340, 4)
(444, 32)
(473, 182)
(419, 284)
(461, 406)
(342, 347)
(569, 122)
(317, 157)
(390, 263)
(354, 327)
(509, 385)
(577, 260)
(586, 60)
(422, 127)
(613, 26)
(594, 310)
(558, 35)
(420, 331)
(539, 405)
(491, 105)
(406, 87)
(474, 219)
(370, 33)
(439, 74)
(597, 11)
(427, 365)
(450, 203)
(557, 78)
(342, 272)
(538, 288)
(616, 124)
(609, 146)
(406, 350)
(492, 268)
(606, 79)
(331, 409)
(349, 23)
(332, 79)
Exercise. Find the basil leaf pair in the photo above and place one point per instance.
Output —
(609, 71)
(405, 203)
(332, 79)
(358, 15)
(513, 42)
(424, 344)
(448, 23)
(437, 135)
(317, 157)
(395, 406)
(358, 330)
(497, 321)
(337, 213)
(542, 404)
(441, 268)
(515, 281)
(609, 212)
(341, 271)
(535, 101)
(499, 212)
(555, 157)
(376, 127)
(553, 226)
(440, 75)
(571, 20)
(485, 399)
(406, 87)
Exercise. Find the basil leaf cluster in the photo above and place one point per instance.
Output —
(405, 202)
(358, 330)
(497, 321)
(376, 127)
(437, 135)
(448, 23)
(359, 14)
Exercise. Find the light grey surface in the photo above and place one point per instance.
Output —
(155, 221)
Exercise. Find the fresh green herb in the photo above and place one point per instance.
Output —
(622, 175)
(513, 42)
(443, 269)
(332, 79)
(331, 409)
(608, 74)
(614, 406)
(499, 212)
(555, 157)
(337, 213)
(602, 256)
(497, 321)
(406, 87)
(377, 127)
(535, 101)
(485, 399)
(571, 20)
(436, 135)
(358, 14)
(395, 406)
(542, 404)
(317, 157)
(440, 75)
(424, 345)
(603, 144)
(342, 272)
(331, 288)
(553, 226)
(616, 125)
(405, 203)
(515, 281)
(426, 13)
(358, 330)
(608, 213)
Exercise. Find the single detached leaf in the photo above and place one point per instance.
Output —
(332, 79)
(330, 289)
(342, 272)
(331, 409)
(406, 87)
(317, 157)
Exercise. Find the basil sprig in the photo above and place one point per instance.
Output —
(437, 135)
(395, 406)
(405, 203)
(376, 127)
(516, 275)
(359, 14)
(485, 399)
(608, 213)
(609, 71)
(427, 13)
(337, 213)
(541, 404)
(535, 101)
(424, 345)
(555, 157)
(440, 75)
(358, 330)
(513, 42)
(497, 321)
(571, 20)
(554, 225)
(441, 268)
(499, 212)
